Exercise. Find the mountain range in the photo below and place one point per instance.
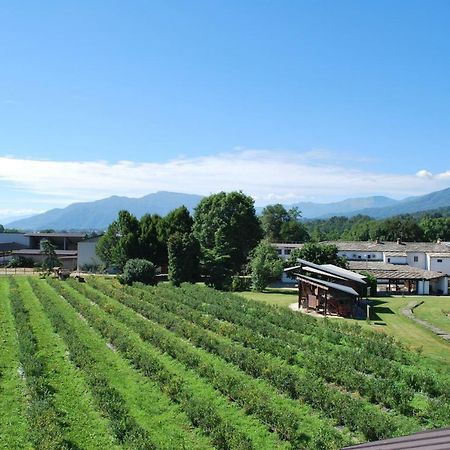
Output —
(97, 215)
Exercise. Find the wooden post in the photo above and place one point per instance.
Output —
(300, 292)
(326, 303)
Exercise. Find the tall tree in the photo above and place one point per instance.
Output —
(184, 258)
(293, 231)
(120, 242)
(272, 219)
(152, 244)
(50, 258)
(227, 229)
(178, 221)
(265, 265)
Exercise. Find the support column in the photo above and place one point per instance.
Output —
(300, 292)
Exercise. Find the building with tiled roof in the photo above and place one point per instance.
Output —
(419, 267)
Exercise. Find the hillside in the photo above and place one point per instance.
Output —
(99, 214)
(410, 205)
(346, 207)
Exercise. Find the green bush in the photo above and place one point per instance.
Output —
(138, 270)
(20, 261)
(241, 283)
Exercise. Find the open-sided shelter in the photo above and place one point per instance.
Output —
(327, 289)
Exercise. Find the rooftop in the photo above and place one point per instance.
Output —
(383, 270)
(328, 284)
(424, 440)
(31, 252)
(389, 246)
(56, 235)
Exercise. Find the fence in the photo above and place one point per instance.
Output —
(19, 271)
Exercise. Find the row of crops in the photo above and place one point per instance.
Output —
(100, 365)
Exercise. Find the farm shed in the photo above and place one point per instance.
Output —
(327, 289)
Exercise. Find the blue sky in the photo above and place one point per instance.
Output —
(287, 100)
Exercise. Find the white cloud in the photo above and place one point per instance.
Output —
(424, 174)
(266, 175)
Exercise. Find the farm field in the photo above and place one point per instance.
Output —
(100, 365)
(387, 318)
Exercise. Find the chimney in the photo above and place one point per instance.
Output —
(438, 241)
(399, 240)
(377, 240)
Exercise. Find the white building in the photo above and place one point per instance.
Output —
(87, 255)
(424, 266)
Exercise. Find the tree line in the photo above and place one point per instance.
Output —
(214, 242)
(226, 244)
(409, 228)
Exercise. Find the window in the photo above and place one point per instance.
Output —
(287, 251)
(359, 256)
(416, 258)
(389, 259)
(439, 260)
(368, 256)
(279, 251)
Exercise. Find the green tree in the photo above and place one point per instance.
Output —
(272, 219)
(50, 259)
(184, 258)
(2, 228)
(404, 227)
(120, 242)
(138, 270)
(227, 229)
(318, 254)
(265, 266)
(434, 228)
(178, 221)
(293, 231)
(216, 264)
(152, 244)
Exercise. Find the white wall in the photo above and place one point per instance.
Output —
(86, 253)
(394, 259)
(421, 262)
(361, 255)
(436, 266)
(423, 287)
(19, 238)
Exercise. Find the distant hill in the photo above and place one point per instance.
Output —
(410, 205)
(99, 214)
(350, 206)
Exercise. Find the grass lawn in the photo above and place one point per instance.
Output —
(280, 297)
(387, 318)
(435, 310)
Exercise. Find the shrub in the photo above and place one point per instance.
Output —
(138, 270)
(241, 283)
(20, 261)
